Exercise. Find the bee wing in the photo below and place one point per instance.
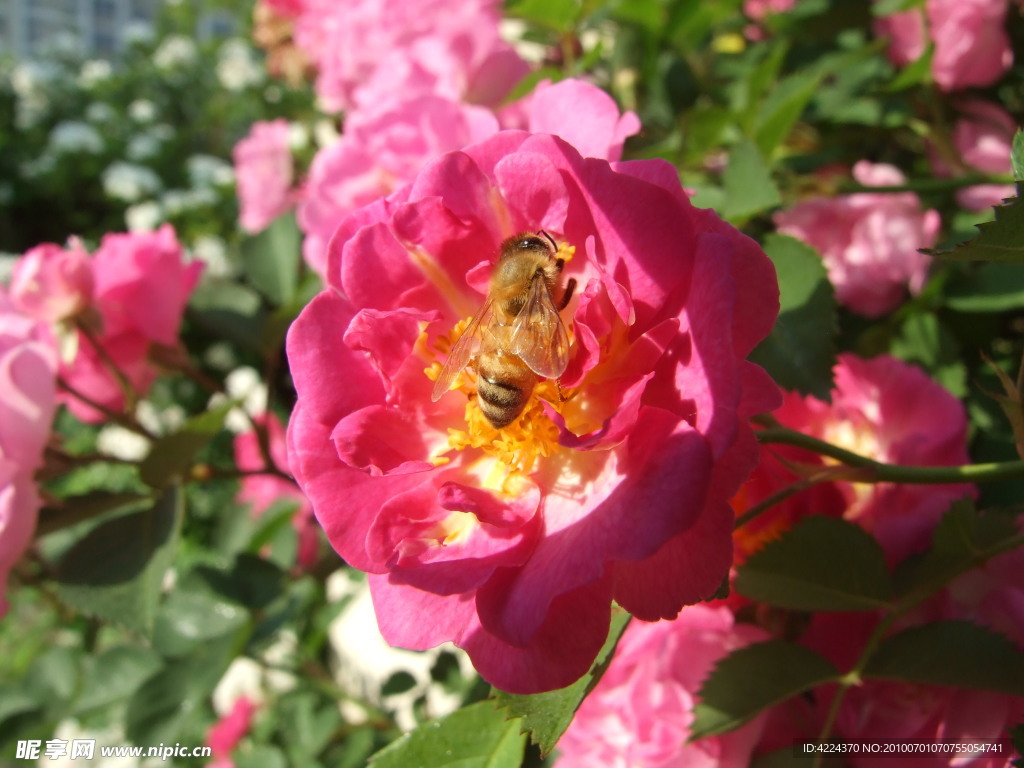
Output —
(461, 352)
(538, 334)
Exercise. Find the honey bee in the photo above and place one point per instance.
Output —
(518, 334)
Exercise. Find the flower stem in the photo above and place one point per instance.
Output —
(878, 472)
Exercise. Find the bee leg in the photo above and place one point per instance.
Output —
(561, 395)
(570, 288)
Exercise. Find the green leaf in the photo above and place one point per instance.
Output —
(956, 653)
(173, 455)
(780, 111)
(1017, 155)
(262, 756)
(547, 715)
(272, 259)
(115, 571)
(753, 678)
(76, 509)
(990, 288)
(821, 564)
(171, 701)
(114, 675)
(799, 353)
(556, 15)
(964, 538)
(228, 309)
(307, 723)
(749, 188)
(889, 7)
(999, 240)
(924, 340)
(477, 736)
(915, 73)
(193, 614)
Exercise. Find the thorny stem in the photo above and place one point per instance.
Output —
(124, 420)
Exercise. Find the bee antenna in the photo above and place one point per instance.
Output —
(549, 238)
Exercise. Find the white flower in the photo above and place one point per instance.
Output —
(142, 146)
(120, 443)
(244, 677)
(144, 217)
(178, 201)
(237, 67)
(142, 111)
(209, 171)
(94, 72)
(325, 131)
(365, 661)
(129, 182)
(513, 31)
(175, 52)
(74, 136)
(137, 33)
(39, 166)
(30, 80)
(298, 137)
(100, 112)
(213, 252)
(243, 384)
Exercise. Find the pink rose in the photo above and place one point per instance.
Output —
(583, 115)
(27, 404)
(263, 169)
(225, 734)
(51, 283)
(261, 491)
(982, 138)
(971, 44)
(380, 150)
(141, 287)
(869, 241)
(641, 711)
(889, 411)
(371, 51)
(513, 543)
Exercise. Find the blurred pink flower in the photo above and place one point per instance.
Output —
(982, 138)
(992, 595)
(869, 241)
(373, 51)
(381, 150)
(51, 283)
(896, 710)
(225, 734)
(513, 544)
(261, 491)
(27, 404)
(884, 409)
(758, 9)
(142, 284)
(263, 171)
(583, 115)
(640, 713)
(285, 7)
(971, 44)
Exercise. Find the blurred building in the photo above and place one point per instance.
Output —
(97, 27)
